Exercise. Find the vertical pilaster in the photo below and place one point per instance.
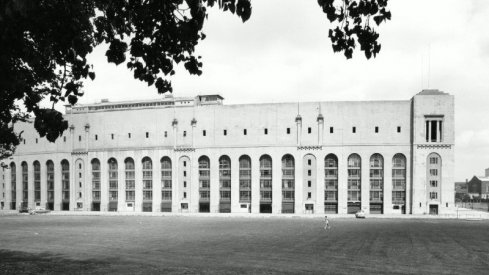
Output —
(342, 183)
(276, 184)
(138, 177)
(387, 184)
(299, 185)
(365, 183)
(214, 183)
(319, 207)
(255, 183)
(30, 185)
(156, 182)
(57, 184)
(8, 188)
(235, 207)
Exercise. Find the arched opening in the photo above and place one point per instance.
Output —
(224, 184)
(331, 184)
(288, 184)
(147, 184)
(166, 184)
(25, 185)
(95, 185)
(13, 186)
(50, 185)
(204, 184)
(434, 182)
(113, 184)
(265, 184)
(399, 183)
(245, 183)
(130, 183)
(376, 184)
(37, 183)
(354, 183)
(65, 185)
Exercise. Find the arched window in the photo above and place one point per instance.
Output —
(96, 183)
(434, 178)
(130, 179)
(244, 179)
(37, 182)
(331, 184)
(265, 184)
(65, 185)
(204, 184)
(224, 184)
(25, 184)
(288, 183)
(50, 184)
(113, 184)
(13, 185)
(376, 183)
(147, 184)
(354, 183)
(399, 182)
(166, 184)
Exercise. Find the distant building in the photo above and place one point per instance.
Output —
(478, 187)
(197, 154)
(460, 189)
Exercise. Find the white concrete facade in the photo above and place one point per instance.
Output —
(297, 135)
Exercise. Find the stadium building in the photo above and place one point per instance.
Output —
(200, 155)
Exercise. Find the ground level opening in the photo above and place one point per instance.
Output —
(265, 208)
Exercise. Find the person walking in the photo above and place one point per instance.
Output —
(327, 226)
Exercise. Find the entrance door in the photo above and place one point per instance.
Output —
(433, 209)
(309, 208)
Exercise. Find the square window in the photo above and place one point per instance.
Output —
(147, 134)
(331, 130)
(288, 131)
(203, 133)
(266, 131)
(398, 129)
(354, 129)
(245, 132)
(309, 130)
(376, 129)
(225, 132)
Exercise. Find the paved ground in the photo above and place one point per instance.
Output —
(212, 245)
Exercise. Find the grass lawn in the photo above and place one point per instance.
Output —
(187, 245)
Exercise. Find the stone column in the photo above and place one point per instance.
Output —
(365, 182)
(8, 188)
(276, 183)
(44, 183)
(30, 185)
(255, 183)
(235, 205)
(214, 183)
(57, 184)
(387, 183)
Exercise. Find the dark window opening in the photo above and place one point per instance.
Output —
(129, 135)
(225, 132)
(36, 140)
(266, 131)
(308, 172)
(309, 162)
(96, 137)
(184, 133)
(112, 136)
(309, 130)
(24, 141)
(147, 134)
(308, 183)
(79, 138)
(308, 195)
(245, 132)
(434, 132)
(331, 130)
(184, 195)
(166, 133)
(64, 139)
(203, 133)
(398, 129)
(354, 129)
(376, 129)
(288, 131)
(184, 184)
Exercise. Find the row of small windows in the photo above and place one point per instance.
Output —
(225, 133)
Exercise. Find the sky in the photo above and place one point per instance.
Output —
(282, 54)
